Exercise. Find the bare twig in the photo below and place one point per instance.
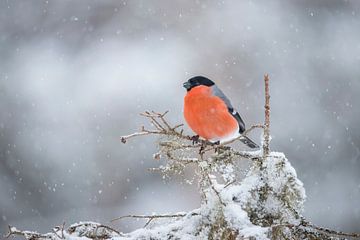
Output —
(215, 190)
(161, 125)
(266, 147)
(177, 126)
(183, 160)
(59, 228)
(309, 225)
(125, 138)
(175, 145)
(229, 183)
(161, 116)
(221, 145)
(245, 154)
(152, 217)
(329, 231)
(246, 132)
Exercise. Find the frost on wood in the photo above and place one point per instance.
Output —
(266, 204)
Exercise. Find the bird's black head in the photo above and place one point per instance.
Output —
(197, 81)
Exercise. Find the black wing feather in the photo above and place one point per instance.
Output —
(236, 115)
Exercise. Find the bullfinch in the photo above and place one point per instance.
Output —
(209, 113)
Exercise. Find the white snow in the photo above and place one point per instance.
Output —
(270, 188)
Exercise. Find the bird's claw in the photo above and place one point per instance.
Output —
(203, 147)
(195, 139)
(201, 150)
(216, 143)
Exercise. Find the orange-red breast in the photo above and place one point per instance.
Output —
(209, 112)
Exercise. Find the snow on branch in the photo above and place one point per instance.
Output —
(266, 204)
(86, 230)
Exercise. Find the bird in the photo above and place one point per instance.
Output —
(210, 114)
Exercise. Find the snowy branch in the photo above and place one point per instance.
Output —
(87, 230)
(266, 204)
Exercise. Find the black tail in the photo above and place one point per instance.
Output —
(248, 142)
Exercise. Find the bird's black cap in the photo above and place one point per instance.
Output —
(197, 81)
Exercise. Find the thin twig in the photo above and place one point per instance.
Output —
(125, 138)
(329, 231)
(177, 126)
(155, 216)
(245, 154)
(326, 231)
(185, 160)
(266, 147)
(229, 183)
(246, 132)
(237, 138)
(27, 234)
(216, 191)
(59, 228)
(161, 116)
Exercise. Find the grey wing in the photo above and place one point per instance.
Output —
(217, 92)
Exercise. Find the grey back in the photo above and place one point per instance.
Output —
(217, 92)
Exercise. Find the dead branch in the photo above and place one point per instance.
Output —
(152, 217)
(87, 229)
(164, 128)
(13, 231)
(215, 190)
(266, 147)
(125, 138)
(229, 183)
(329, 231)
(60, 228)
(246, 132)
(307, 225)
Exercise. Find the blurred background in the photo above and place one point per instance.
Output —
(75, 74)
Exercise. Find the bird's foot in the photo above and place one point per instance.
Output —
(216, 143)
(203, 146)
(195, 139)
(201, 150)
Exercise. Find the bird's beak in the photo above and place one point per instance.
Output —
(187, 85)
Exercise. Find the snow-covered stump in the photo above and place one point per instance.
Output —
(271, 193)
(264, 205)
